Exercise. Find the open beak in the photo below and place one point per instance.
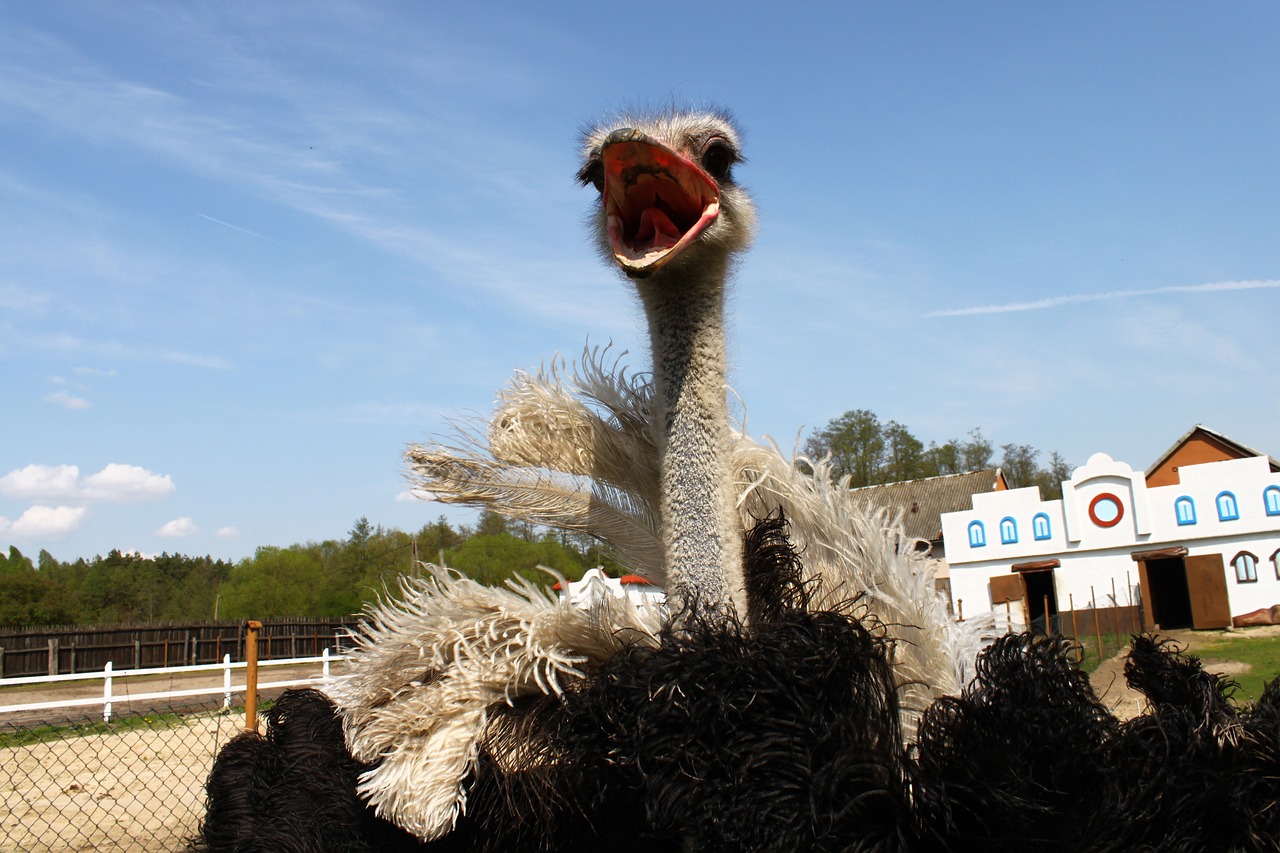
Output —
(657, 201)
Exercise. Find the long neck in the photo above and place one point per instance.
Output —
(700, 529)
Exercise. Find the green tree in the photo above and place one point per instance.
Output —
(975, 454)
(1050, 479)
(904, 457)
(855, 443)
(1019, 464)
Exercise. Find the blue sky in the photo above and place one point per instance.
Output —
(248, 251)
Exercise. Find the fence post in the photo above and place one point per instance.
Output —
(137, 654)
(959, 609)
(1, 661)
(1097, 622)
(1115, 612)
(226, 682)
(252, 627)
(106, 693)
(53, 655)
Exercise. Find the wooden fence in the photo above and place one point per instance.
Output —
(55, 651)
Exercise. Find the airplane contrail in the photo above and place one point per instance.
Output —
(237, 228)
(1073, 298)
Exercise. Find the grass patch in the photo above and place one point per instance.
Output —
(1262, 654)
(23, 736)
(1090, 657)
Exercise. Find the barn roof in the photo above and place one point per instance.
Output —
(922, 502)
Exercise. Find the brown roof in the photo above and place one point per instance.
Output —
(922, 502)
(1242, 451)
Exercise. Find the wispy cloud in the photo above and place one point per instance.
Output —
(67, 401)
(111, 349)
(1076, 298)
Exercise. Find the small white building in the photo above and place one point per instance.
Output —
(595, 584)
(1198, 552)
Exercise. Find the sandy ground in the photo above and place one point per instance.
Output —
(138, 789)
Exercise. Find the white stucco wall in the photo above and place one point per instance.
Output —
(1093, 555)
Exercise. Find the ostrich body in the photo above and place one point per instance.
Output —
(672, 219)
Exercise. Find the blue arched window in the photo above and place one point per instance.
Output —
(977, 534)
(1227, 509)
(1008, 531)
(1185, 509)
(1271, 499)
(1246, 566)
(1040, 527)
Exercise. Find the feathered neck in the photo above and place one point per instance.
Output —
(700, 530)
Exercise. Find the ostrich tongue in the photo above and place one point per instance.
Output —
(657, 201)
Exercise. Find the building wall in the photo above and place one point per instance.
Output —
(1128, 515)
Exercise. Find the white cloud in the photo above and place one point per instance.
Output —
(410, 496)
(116, 483)
(126, 484)
(227, 533)
(47, 522)
(178, 527)
(42, 481)
(67, 401)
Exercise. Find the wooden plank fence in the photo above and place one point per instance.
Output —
(60, 650)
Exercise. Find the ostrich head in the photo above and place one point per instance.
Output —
(668, 200)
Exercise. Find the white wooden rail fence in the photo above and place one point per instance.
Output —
(109, 676)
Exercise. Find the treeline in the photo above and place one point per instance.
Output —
(331, 578)
(872, 453)
(337, 577)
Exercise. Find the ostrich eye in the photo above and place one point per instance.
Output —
(718, 158)
(592, 173)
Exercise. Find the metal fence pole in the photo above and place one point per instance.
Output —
(226, 682)
(106, 693)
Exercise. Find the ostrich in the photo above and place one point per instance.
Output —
(673, 219)
(787, 704)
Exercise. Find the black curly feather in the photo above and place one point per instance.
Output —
(782, 734)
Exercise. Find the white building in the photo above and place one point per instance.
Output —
(1197, 552)
(595, 584)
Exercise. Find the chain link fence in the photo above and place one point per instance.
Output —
(135, 783)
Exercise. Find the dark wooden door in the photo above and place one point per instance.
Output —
(1144, 584)
(1207, 585)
